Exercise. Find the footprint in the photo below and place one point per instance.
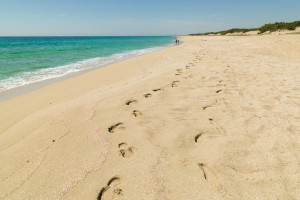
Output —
(218, 126)
(136, 113)
(218, 91)
(208, 174)
(122, 144)
(147, 95)
(204, 107)
(124, 151)
(130, 102)
(187, 67)
(201, 165)
(197, 137)
(179, 72)
(112, 128)
(110, 190)
(156, 90)
(174, 83)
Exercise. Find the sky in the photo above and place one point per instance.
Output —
(139, 17)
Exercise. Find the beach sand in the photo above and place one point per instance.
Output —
(214, 118)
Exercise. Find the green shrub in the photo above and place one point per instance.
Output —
(267, 27)
(279, 26)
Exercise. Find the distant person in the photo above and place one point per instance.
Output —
(176, 41)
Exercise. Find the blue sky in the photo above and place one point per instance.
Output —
(139, 17)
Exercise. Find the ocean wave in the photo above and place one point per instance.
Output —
(27, 78)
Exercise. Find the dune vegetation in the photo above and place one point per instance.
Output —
(265, 28)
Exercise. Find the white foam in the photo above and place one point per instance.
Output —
(55, 72)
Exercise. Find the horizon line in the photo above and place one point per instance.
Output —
(86, 35)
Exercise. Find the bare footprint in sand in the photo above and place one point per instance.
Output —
(208, 174)
(111, 191)
(197, 137)
(136, 113)
(174, 83)
(158, 89)
(205, 107)
(119, 125)
(130, 102)
(179, 72)
(125, 151)
(147, 95)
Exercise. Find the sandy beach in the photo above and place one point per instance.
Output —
(214, 118)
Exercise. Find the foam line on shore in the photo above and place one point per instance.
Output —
(27, 78)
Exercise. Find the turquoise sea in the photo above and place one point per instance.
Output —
(27, 60)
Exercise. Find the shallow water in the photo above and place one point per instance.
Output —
(26, 60)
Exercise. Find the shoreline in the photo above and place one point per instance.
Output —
(219, 115)
(21, 90)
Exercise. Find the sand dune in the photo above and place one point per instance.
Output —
(214, 118)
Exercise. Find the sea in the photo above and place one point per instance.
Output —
(28, 60)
